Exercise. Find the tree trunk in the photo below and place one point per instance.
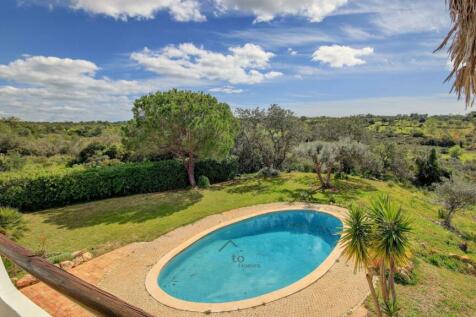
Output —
(328, 177)
(392, 280)
(383, 282)
(373, 293)
(317, 167)
(190, 165)
(449, 216)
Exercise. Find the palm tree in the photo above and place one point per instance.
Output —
(390, 241)
(357, 240)
(462, 49)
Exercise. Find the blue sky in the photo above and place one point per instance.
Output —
(89, 59)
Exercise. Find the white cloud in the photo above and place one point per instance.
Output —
(356, 33)
(47, 88)
(402, 16)
(273, 37)
(226, 90)
(180, 10)
(267, 10)
(292, 52)
(245, 64)
(339, 56)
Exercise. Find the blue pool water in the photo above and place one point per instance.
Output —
(252, 257)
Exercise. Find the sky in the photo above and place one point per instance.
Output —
(81, 60)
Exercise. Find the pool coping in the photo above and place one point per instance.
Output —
(156, 292)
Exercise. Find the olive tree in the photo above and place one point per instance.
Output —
(187, 124)
(344, 156)
(455, 194)
(268, 136)
(324, 158)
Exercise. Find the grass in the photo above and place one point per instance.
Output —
(443, 287)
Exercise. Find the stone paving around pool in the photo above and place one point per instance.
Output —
(123, 271)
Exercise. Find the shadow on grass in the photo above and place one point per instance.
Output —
(132, 209)
(258, 186)
(346, 190)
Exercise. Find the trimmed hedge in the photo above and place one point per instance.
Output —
(47, 191)
(217, 171)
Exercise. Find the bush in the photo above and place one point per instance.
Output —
(446, 141)
(11, 162)
(217, 171)
(268, 172)
(455, 152)
(11, 223)
(95, 183)
(47, 191)
(95, 154)
(428, 170)
(203, 182)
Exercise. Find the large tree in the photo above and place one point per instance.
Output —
(187, 124)
(268, 134)
(345, 156)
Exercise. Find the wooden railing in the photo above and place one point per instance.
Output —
(80, 291)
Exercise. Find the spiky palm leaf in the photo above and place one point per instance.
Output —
(356, 238)
(391, 228)
(462, 49)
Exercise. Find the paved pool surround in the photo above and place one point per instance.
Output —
(162, 296)
(338, 292)
(332, 290)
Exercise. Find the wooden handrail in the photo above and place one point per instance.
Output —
(66, 283)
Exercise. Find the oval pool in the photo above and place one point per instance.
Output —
(251, 257)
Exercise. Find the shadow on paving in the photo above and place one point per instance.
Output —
(132, 209)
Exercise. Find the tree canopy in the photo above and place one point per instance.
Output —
(189, 125)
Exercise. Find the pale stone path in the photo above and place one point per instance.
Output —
(122, 272)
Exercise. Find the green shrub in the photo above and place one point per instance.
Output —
(455, 152)
(217, 171)
(11, 223)
(57, 258)
(55, 190)
(203, 182)
(448, 262)
(95, 183)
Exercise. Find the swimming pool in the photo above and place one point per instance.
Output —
(250, 258)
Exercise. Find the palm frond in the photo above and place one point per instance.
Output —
(356, 238)
(462, 49)
(391, 229)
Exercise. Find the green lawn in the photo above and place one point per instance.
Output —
(444, 288)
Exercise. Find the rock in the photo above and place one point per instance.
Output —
(77, 260)
(404, 275)
(465, 259)
(81, 258)
(26, 280)
(67, 265)
(87, 256)
(462, 258)
(463, 246)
